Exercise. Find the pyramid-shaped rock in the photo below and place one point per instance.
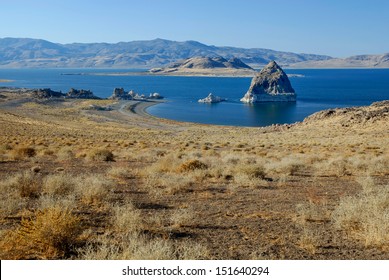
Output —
(271, 84)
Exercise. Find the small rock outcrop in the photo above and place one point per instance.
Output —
(155, 95)
(211, 99)
(271, 84)
(120, 94)
(45, 93)
(81, 94)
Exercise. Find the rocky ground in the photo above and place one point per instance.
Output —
(120, 184)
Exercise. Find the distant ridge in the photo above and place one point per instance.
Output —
(357, 61)
(26, 52)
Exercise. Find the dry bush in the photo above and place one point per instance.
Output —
(338, 167)
(163, 165)
(122, 172)
(100, 155)
(365, 215)
(59, 185)
(379, 166)
(52, 233)
(247, 175)
(49, 201)
(65, 154)
(182, 217)
(191, 165)
(127, 219)
(134, 246)
(131, 246)
(254, 171)
(93, 189)
(286, 166)
(26, 184)
(167, 183)
(23, 152)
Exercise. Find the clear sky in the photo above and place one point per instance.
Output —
(338, 28)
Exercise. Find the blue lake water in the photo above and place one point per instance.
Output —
(319, 89)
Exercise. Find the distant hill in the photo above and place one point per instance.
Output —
(358, 61)
(206, 66)
(21, 52)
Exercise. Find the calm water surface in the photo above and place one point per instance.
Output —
(316, 90)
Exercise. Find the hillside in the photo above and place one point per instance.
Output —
(22, 52)
(206, 66)
(118, 183)
(358, 61)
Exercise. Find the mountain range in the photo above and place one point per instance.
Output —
(26, 52)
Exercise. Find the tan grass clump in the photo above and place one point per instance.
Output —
(26, 184)
(23, 152)
(52, 233)
(93, 189)
(59, 185)
(286, 166)
(100, 155)
(252, 170)
(127, 219)
(365, 216)
(191, 165)
(133, 246)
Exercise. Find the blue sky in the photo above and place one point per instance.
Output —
(334, 27)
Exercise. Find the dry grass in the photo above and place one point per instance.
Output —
(59, 185)
(127, 219)
(365, 216)
(100, 155)
(191, 165)
(25, 184)
(50, 234)
(93, 189)
(139, 247)
(23, 152)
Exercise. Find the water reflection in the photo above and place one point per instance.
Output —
(263, 114)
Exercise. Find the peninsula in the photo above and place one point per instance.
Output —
(206, 66)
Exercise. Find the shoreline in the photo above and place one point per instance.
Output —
(138, 107)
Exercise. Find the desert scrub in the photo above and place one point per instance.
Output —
(191, 165)
(59, 185)
(182, 217)
(23, 152)
(133, 246)
(100, 155)
(365, 216)
(286, 166)
(126, 219)
(122, 172)
(93, 189)
(51, 233)
(25, 184)
(167, 183)
(251, 170)
(65, 154)
(338, 166)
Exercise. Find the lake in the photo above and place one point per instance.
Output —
(317, 89)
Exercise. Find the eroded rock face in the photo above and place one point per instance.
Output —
(120, 94)
(80, 94)
(211, 99)
(271, 84)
